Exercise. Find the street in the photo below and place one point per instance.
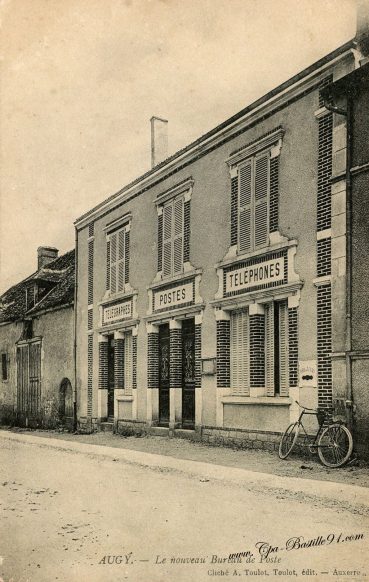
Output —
(74, 514)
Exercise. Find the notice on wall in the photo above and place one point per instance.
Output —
(249, 276)
(174, 296)
(117, 312)
(308, 375)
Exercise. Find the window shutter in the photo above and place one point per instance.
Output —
(245, 192)
(113, 263)
(261, 200)
(128, 363)
(269, 348)
(121, 259)
(283, 350)
(167, 240)
(240, 372)
(178, 236)
(108, 265)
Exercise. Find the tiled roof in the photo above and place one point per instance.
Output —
(60, 272)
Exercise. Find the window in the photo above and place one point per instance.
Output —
(240, 353)
(253, 203)
(4, 367)
(259, 351)
(128, 364)
(173, 224)
(118, 260)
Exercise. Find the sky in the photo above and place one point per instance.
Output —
(80, 80)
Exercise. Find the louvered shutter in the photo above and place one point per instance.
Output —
(178, 236)
(108, 265)
(283, 349)
(167, 240)
(128, 364)
(245, 200)
(121, 259)
(113, 263)
(261, 201)
(269, 348)
(240, 371)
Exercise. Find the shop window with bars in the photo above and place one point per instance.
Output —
(173, 237)
(117, 260)
(265, 368)
(253, 203)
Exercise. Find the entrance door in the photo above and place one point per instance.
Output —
(111, 344)
(188, 373)
(29, 381)
(164, 375)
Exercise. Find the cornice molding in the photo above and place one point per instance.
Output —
(265, 142)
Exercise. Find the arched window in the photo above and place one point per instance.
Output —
(65, 399)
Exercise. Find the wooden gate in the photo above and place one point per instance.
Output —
(29, 380)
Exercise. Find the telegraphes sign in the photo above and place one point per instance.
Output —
(117, 312)
(259, 274)
(174, 296)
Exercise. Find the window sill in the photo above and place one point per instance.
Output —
(125, 398)
(174, 278)
(237, 257)
(261, 400)
(112, 297)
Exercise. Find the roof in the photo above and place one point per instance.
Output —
(350, 83)
(58, 275)
(197, 144)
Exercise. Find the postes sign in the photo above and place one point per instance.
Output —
(174, 296)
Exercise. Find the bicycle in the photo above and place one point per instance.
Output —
(334, 443)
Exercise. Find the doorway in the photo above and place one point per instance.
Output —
(111, 361)
(164, 363)
(188, 373)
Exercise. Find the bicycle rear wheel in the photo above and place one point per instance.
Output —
(288, 440)
(335, 445)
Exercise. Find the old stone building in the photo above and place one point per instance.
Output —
(211, 289)
(349, 98)
(36, 344)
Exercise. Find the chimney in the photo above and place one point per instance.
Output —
(159, 140)
(362, 29)
(45, 255)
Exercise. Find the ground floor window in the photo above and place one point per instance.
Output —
(128, 363)
(259, 350)
(4, 367)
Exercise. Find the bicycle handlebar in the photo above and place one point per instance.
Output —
(316, 410)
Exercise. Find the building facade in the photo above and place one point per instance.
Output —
(37, 345)
(210, 289)
(350, 97)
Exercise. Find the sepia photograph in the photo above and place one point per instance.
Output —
(184, 291)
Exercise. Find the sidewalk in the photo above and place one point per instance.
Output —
(256, 461)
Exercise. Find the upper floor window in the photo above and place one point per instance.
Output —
(255, 192)
(253, 203)
(118, 259)
(118, 254)
(173, 237)
(174, 208)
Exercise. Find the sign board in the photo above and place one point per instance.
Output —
(249, 276)
(117, 312)
(308, 373)
(174, 296)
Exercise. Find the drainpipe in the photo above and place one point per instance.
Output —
(348, 331)
(75, 331)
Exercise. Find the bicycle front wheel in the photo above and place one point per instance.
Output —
(288, 440)
(335, 445)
